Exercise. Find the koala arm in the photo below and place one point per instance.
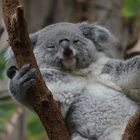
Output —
(125, 73)
(21, 80)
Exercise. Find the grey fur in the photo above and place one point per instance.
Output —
(126, 75)
(90, 86)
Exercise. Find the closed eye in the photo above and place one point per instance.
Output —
(76, 41)
(51, 46)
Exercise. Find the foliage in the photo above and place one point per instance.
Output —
(2, 64)
(7, 109)
(131, 8)
(35, 128)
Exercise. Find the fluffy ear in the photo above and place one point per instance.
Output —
(100, 36)
(9, 56)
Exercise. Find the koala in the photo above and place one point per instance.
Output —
(97, 92)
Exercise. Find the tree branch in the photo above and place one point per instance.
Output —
(132, 131)
(39, 97)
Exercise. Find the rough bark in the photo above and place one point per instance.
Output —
(39, 97)
(133, 49)
(132, 131)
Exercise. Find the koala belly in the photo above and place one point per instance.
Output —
(100, 112)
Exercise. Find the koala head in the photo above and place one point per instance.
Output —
(70, 46)
(64, 45)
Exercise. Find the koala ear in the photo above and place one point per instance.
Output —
(102, 38)
(97, 34)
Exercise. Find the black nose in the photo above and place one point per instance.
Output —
(67, 52)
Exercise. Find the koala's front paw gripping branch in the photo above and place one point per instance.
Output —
(40, 98)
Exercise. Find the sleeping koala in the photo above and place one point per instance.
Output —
(98, 94)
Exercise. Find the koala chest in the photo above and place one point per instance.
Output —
(91, 102)
(100, 106)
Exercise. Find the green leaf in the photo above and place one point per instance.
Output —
(5, 114)
(2, 126)
(6, 111)
(8, 106)
(131, 8)
(2, 64)
(5, 97)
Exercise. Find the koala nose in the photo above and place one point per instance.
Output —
(67, 52)
(65, 44)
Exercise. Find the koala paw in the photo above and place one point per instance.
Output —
(11, 71)
(21, 80)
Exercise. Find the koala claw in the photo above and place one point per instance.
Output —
(28, 75)
(30, 82)
(24, 69)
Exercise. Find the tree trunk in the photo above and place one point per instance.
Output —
(39, 97)
(132, 131)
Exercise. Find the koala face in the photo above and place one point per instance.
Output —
(63, 45)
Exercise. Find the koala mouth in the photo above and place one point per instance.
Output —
(69, 62)
(69, 58)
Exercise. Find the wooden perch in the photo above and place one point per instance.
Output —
(39, 97)
(132, 131)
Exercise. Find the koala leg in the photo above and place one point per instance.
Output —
(21, 80)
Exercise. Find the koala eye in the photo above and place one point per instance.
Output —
(50, 46)
(76, 41)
